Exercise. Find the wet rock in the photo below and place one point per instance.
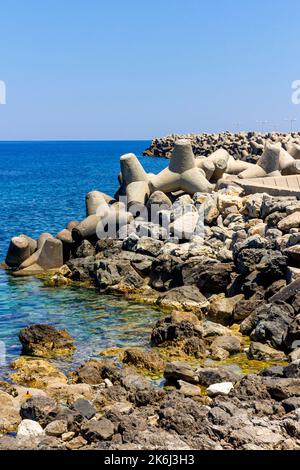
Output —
(180, 371)
(148, 360)
(45, 341)
(101, 430)
(36, 373)
(263, 352)
(183, 298)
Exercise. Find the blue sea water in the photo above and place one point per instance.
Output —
(42, 187)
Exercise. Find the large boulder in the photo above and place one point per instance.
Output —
(45, 341)
(9, 413)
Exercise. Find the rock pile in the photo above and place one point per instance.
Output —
(242, 145)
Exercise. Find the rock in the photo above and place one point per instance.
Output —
(9, 413)
(257, 435)
(281, 389)
(85, 249)
(189, 390)
(223, 388)
(36, 373)
(180, 371)
(292, 370)
(58, 428)
(221, 308)
(269, 324)
(101, 430)
(40, 409)
(28, 428)
(76, 443)
(46, 341)
(229, 342)
(148, 246)
(212, 375)
(85, 408)
(263, 352)
(292, 337)
(291, 404)
(214, 329)
(183, 298)
(291, 221)
(209, 278)
(148, 360)
(185, 226)
(157, 201)
(70, 393)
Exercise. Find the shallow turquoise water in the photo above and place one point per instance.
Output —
(42, 187)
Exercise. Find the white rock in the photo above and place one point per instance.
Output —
(29, 428)
(108, 383)
(222, 388)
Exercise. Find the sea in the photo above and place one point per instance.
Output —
(42, 187)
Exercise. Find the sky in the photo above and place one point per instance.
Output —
(133, 69)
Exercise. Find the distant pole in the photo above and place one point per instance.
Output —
(291, 121)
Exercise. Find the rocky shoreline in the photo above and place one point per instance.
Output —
(227, 345)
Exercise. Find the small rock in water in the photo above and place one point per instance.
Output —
(223, 388)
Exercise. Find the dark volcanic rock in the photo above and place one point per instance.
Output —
(85, 249)
(45, 341)
(40, 409)
(212, 278)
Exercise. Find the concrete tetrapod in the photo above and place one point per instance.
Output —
(49, 256)
(20, 248)
(182, 173)
(135, 180)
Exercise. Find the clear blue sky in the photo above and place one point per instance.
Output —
(134, 69)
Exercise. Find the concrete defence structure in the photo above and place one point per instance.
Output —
(274, 169)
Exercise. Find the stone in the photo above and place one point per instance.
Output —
(36, 373)
(76, 443)
(148, 246)
(180, 371)
(263, 352)
(221, 308)
(85, 249)
(58, 428)
(45, 341)
(9, 413)
(292, 370)
(229, 342)
(187, 298)
(185, 226)
(212, 375)
(95, 431)
(29, 429)
(40, 409)
(223, 388)
(84, 407)
(189, 390)
(291, 221)
(148, 360)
